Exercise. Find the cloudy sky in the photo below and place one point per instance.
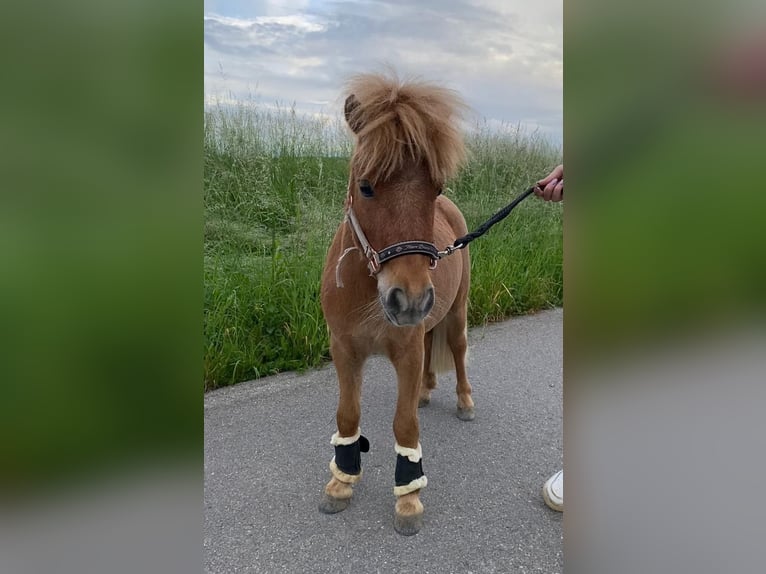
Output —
(505, 57)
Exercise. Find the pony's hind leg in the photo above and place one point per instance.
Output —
(345, 466)
(458, 342)
(428, 382)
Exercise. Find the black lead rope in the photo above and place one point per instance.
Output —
(461, 242)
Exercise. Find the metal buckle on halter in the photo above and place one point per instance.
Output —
(449, 250)
(373, 262)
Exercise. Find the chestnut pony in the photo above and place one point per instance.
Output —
(407, 144)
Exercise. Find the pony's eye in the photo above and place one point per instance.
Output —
(440, 191)
(365, 188)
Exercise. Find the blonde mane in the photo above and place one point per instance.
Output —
(397, 121)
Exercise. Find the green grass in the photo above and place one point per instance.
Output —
(274, 185)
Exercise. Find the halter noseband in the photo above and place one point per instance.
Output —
(377, 258)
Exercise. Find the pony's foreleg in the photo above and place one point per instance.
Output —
(409, 477)
(346, 465)
(458, 342)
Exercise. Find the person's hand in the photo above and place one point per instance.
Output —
(551, 188)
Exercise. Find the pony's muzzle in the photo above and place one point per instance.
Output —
(401, 309)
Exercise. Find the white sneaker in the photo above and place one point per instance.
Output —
(553, 491)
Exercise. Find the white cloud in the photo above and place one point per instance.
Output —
(299, 21)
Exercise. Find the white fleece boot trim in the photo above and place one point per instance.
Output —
(416, 484)
(413, 454)
(342, 476)
(338, 440)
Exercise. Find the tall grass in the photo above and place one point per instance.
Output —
(274, 184)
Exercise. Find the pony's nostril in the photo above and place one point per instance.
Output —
(428, 300)
(396, 300)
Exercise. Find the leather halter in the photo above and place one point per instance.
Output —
(377, 258)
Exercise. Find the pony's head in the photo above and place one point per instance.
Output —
(407, 145)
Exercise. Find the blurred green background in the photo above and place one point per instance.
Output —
(664, 144)
(100, 238)
(664, 274)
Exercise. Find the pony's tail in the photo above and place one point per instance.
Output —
(441, 355)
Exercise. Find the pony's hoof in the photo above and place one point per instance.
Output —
(408, 514)
(467, 414)
(423, 401)
(331, 505)
(409, 524)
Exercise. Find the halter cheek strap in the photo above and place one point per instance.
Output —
(373, 260)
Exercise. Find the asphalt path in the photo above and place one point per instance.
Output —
(267, 450)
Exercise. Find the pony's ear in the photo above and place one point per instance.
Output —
(351, 118)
